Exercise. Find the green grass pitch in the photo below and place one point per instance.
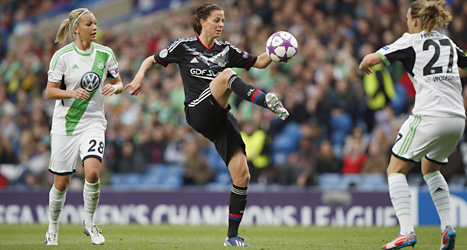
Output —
(18, 237)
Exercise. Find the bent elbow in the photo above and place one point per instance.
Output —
(48, 95)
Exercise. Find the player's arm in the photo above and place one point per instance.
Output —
(462, 72)
(461, 62)
(263, 61)
(115, 87)
(137, 83)
(369, 61)
(53, 91)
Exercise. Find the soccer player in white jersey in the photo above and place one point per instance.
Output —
(76, 80)
(434, 129)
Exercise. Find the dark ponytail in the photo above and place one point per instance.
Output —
(202, 12)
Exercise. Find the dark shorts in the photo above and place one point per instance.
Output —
(217, 124)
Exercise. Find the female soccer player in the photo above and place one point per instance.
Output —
(434, 129)
(205, 66)
(75, 79)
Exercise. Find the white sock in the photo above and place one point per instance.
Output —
(91, 194)
(439, 191)
(401, 201)
(56, 200)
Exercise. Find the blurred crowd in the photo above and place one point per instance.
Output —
(340, 121)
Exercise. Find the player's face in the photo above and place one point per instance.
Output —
(214, 24)
(410, 22)
(87, 27)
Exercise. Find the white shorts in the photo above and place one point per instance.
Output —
(427, 136)
(67, 150)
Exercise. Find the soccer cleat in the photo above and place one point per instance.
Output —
(51, 238)
(96, 234)
(448, 238)
(402, 241)
(276, 106)
(236, 241)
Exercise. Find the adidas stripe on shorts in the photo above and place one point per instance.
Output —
(430, 136)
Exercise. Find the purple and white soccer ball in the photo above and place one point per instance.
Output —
(281, 46)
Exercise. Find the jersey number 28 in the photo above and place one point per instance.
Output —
(100, 147)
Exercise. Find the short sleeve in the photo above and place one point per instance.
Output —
(56, 68)
(172, 54)
(462, 58)
(112, 65)
(240, 59)
(396, 51)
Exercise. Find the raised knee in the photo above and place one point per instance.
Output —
(227, 73)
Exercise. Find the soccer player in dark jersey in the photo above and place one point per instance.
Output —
(208, 80)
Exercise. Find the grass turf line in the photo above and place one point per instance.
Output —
(19, 237)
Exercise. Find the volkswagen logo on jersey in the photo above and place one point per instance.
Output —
(90, 81)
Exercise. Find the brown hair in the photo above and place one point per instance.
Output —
(431, 13)
(202, 12)
(66, 30)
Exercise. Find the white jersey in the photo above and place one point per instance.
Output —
(432, 62)
(72, 70)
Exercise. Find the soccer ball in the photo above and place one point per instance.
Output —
(281, 46)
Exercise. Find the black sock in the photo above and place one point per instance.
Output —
(247, 91)
(236, 207)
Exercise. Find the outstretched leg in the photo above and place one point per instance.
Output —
(226, 82)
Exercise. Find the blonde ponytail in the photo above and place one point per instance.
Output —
(431, 13)
(65, 31)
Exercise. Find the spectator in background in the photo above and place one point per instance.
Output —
(174, 152)
(257, 147)
(376, 161)
(36, 168)
(357, 134)
(379, 90)
(158, 143)
(354, 160)
(326, 161)
(131, 160)
(7, 154)
(197, 170)
(299, 164)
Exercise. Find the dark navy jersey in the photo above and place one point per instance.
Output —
(200, 65)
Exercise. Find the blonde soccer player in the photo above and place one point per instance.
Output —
(76, 80)
(434, 129)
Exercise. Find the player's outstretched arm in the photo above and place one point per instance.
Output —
(137, 83)
(53, 91)
(263, 61)
(115, 87)
(369, 61)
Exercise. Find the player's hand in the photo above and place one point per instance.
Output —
(365, 69)
(110, 89)
(135, 85)
(80, 94)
